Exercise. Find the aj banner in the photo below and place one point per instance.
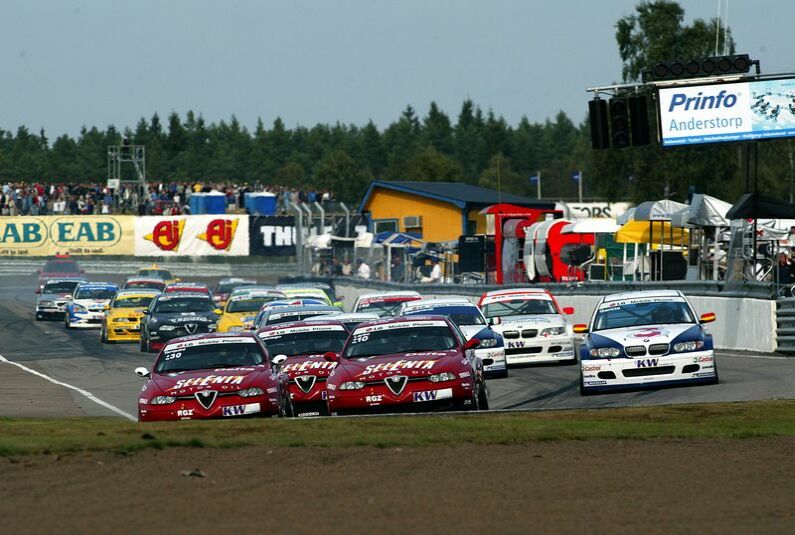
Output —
(192, 235)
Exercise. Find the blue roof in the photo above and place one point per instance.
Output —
(457, 193)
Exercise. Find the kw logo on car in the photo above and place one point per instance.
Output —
(646, 363)
(517, 344)
(220, 233)
(167, 234)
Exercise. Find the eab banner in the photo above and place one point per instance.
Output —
(191, 235)
(75, 235)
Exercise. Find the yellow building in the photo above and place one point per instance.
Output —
(436, 211)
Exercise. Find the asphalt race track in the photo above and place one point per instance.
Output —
(77, 358)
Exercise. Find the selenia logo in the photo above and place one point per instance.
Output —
(220, 233)
(167, 234)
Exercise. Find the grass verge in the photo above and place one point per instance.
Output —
(718, 420)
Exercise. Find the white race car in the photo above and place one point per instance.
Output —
(467, 317)
(645, 338)
(86, 308)
(531, 323)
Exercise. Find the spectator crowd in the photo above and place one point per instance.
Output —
(163, 198)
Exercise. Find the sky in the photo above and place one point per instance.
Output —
(69, 63)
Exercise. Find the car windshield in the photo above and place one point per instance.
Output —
(402, 338)
(157, 273)
(183, 304)
(95, 293)
(150, 285)
(459, 315)
(141, 301)
(249, 305)
(227, 287)
(209, 356)
(187, 289)
(519, 307)
(637, 314)
(306, 343)
(382, 308)
(60, 267)
(295, 316)
(61, 287)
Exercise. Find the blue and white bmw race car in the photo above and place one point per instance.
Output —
(646, 338)
(468, 317)
(86, 308)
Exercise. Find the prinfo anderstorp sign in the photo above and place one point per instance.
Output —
(744, 111)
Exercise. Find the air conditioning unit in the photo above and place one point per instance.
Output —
(412, 221)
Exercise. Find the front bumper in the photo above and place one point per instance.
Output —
(86, 320)
(124, 332)
(50, 312)
(312, 403)
(187, 408)
(418, 396)
(497, 354)
(678, 368)
(539, 349)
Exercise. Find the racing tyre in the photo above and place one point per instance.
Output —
(66, 322)
(584, 391)
(37, 317)
(103, 335)
(482, 398)
(144, 344)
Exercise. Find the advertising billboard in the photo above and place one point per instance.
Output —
(272, 235)
(192, 235)
(716, 113)
(74, 235)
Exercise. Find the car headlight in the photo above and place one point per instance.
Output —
(162, 400)
(439, 377)
(47, 303)
(167, 327)
(121, 320)
(236, 328)
(604, 352)
(80, 308)
(248, 392)
(688, 346)
(352, 385)
(487, 342)
(550, 331)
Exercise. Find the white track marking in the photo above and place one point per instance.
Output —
(741, 356)
(86, 393)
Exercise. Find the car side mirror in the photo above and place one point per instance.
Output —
(580, 328)
(494, 321)
(177, 279)
(142, 372)
(709, 317)
(331, 356)
(279, 359)
(145, 312)
(487, 361)
(38, 290)
(106, 307)
(218, 311)
(472, 343)
(568, 311)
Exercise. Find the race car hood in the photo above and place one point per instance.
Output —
(418, 364)
(54, 296)
(470, 331)
(222, 380)
(649, 334)
(530, 322)
(125, 312)
(180, 318)
(238, 318)
(307, 365)
(92, 304)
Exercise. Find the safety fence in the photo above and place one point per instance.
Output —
(746, 313)
(148, 236)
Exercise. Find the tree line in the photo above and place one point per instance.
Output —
(475, 146)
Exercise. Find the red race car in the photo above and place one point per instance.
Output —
(303, 344)
(187, 287)
(407, 364)
(213, 376)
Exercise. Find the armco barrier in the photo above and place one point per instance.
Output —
(746, 314)
(785, 325)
